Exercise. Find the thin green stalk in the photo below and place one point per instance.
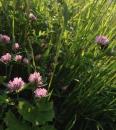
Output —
(32, 54)
(13, 22)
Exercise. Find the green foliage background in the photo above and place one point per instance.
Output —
(80, 75)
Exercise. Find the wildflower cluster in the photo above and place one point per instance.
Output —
(4, 38)
(7, 57)
(17, 84)
(102, 40)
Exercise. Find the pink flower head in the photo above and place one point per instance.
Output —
(102, 40)
(15, 46)
(40, 92)
(18, 58)
(26, 61)
(32, 17)
(35, 78)
(6, 58)
(16, 85)
(4, 38)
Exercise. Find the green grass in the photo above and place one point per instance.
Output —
(70, 57)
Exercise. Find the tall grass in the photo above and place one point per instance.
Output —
(80, 75)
